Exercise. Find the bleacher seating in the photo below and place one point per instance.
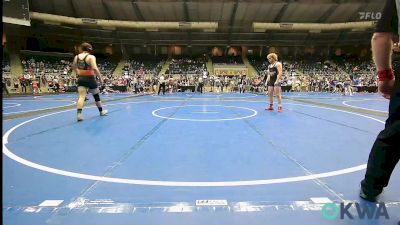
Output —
(227, 60)
(187, 65)
(144, 64)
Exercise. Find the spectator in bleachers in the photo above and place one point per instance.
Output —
(22, 82)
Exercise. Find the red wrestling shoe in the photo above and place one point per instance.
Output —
(279, 108)
(270, 107)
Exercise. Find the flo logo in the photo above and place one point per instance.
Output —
(370, 15)
(331, 211)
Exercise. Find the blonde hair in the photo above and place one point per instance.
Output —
(272, 56)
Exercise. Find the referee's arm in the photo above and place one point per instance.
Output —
(386, 32)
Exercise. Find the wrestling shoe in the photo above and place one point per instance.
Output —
(270, 108)
(79, 117)
(104, 112)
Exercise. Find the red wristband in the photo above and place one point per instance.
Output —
(385, 75)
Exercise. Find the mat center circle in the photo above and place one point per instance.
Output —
(204, 113)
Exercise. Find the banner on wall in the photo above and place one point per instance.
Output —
(230, 71)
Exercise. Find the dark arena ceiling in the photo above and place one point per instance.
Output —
(234, 18)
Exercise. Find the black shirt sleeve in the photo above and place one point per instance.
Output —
(389, 19)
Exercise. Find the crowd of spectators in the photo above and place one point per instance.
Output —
(52, 73)
(137, 75)
(321, 75)
(211, 83)
(48, 71)
(318, 68)
(140, 74)
(106, 65)
(331, 75)
(187, 65)
(143, 64)
(357, 68)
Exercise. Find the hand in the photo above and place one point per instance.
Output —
(386, 88)
(276, 83)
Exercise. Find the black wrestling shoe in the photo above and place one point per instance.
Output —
(369, 197)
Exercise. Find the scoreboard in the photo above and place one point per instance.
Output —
(16, 12)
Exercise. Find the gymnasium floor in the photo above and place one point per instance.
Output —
(157, 159)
